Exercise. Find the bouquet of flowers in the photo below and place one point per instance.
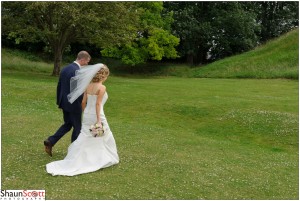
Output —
(96, 130)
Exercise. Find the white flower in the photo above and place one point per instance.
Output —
(96, 130)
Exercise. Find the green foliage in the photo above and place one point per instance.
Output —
(129, 54)
(215, 28)
(151, 14)
(235, 31)
(178, 138)
(154, 40)
(276, 17)
(276, 59)
(70, 21)
(58, 24)
(209, 31)
(129, 31)
(161, 44)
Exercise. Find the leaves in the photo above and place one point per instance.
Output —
(214, 30)
(153, 40)
(61, 23)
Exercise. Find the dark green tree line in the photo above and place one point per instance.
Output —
(214, 30)
(276, 17)
(136, 32)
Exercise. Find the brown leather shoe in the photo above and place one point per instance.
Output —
(48, 147)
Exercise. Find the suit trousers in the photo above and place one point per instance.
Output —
(70, 120)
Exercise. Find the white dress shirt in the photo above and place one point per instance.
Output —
(77, 64)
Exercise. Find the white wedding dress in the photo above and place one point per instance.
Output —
(88, 153)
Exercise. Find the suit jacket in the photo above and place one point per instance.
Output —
(63, 89)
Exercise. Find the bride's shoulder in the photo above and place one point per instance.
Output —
(102, 88)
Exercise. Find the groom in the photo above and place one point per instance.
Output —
(71, 112)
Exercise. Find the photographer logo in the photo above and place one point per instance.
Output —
(22, 195)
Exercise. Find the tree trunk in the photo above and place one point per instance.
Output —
(57, 61)
(197, 59)
(190, 59)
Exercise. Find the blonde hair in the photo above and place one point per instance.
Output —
(101, 74)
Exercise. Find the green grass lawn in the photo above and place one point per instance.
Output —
(177, 138)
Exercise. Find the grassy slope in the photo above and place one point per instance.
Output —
(275, 59)
(178, 138)
(15, 60)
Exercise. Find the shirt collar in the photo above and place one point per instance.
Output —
(77, 64)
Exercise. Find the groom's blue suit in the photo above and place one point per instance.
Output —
(72, 112)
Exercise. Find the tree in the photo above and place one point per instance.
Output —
(192, 26)
(153, 40)
(215, 28)
(276, 18)
(235, 30)
(58, 24)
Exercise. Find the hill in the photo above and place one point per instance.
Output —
(277, 58)
(16, 60)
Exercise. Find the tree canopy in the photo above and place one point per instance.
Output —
(136, 32)
(214, 30)
(153, 40)
(58, 24)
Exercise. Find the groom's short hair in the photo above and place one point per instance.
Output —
(83, 55)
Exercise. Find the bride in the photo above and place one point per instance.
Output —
(88, 153)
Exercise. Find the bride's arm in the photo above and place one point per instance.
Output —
(98, 103)
(83, 103)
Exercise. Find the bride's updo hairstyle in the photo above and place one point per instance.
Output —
(101, 74)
